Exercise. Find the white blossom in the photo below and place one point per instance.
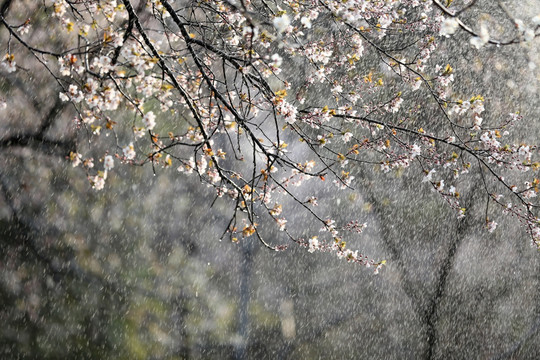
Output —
(491, 226)
(281, 23)
(528, 35)
(306, 22)
(536, 20)
(415, 151)
(108, 162)
(313, 244)
(429, 175)
(347, 137)
(149, 120)
(129, 151)
(482, 39)
(449, 27)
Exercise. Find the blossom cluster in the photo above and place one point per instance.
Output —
(207, 100)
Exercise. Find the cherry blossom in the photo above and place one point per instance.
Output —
(225, 103)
